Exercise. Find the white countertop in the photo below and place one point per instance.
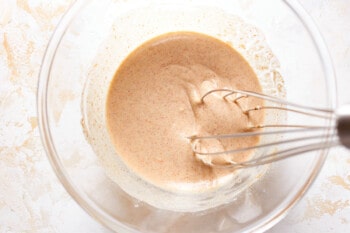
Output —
(31, 197)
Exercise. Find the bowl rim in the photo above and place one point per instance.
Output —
(89, 206)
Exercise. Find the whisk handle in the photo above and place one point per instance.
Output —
(343, 125)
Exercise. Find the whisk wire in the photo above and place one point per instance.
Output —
(313, 137)
(250, 134)
(328, 116)
(277, 100)
(272, 99)
(280, 155)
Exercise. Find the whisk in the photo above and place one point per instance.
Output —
(326, 136)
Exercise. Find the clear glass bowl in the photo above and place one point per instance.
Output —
(76, 47)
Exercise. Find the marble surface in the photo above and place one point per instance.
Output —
(31, 197)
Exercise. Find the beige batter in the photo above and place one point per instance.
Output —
(153, 106)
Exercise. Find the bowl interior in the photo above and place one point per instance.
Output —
(82, 43)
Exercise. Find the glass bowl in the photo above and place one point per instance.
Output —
(84, 46)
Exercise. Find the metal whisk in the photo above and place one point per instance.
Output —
(326, 137)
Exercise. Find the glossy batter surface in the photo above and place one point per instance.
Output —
(153, 106)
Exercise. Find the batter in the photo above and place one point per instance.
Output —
(154, 106)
